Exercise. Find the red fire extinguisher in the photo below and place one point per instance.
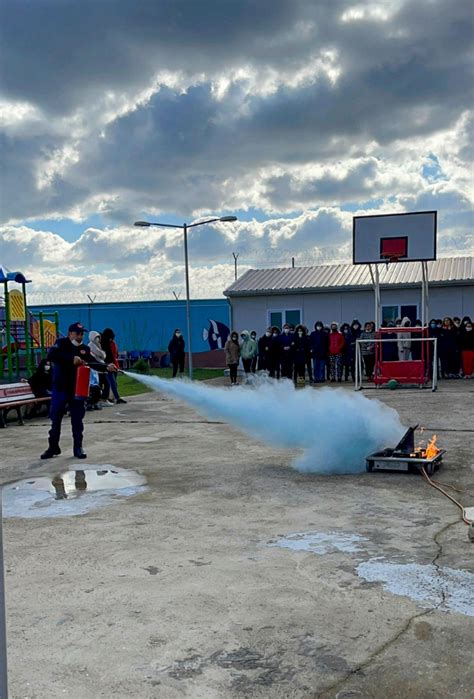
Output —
(83, 376)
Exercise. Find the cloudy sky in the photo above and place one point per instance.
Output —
(292, 114)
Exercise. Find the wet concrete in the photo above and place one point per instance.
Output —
(188, 589)
(70, 493)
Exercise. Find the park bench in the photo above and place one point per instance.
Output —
(14, 396)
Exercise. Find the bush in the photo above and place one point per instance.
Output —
(141, 367)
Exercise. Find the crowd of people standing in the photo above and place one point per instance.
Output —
(328, 353)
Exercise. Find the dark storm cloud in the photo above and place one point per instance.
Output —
(377, 81)
(56, 53)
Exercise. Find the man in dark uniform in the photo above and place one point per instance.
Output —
(66, 355)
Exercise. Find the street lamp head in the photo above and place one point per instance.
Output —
(142, 224)
(228, 219)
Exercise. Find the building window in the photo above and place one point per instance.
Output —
(280, 317)
(393, 312)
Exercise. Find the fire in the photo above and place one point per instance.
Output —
(431, 449)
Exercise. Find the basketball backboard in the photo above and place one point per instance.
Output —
(406, 237)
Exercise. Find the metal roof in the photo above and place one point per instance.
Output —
(447, 271)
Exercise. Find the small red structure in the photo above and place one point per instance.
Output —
(388, 364)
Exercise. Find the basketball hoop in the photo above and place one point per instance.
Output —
(389, 257)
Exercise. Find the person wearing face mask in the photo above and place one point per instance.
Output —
(466, 341)
(264, 347)
(248, 350)
(253, 336)
(337, 345)
(232, 356)
(177, 353)
(301, 353)
(319, 349)
(286, 352)
(274, 354)
(353, 337)
(66, 356)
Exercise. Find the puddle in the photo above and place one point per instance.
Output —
(321, 542)
(70, 493)
(447, 589)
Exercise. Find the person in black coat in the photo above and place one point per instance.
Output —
(287, 343)
(66, 356)
(176, 350)
(448, 350)
(389, 349)
(264, 349)
(301, 353)
(319, 349)
(274, 354)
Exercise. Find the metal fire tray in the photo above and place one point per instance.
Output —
(399, 459)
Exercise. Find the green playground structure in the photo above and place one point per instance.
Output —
(24, 336)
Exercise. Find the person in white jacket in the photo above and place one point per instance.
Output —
(404, 342)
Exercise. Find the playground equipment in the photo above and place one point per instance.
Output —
(24, 335)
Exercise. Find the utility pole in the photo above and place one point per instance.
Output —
(236, 257)
(89, 315)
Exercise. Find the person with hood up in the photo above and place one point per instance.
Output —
(176, 350)
(319, 348)
(248, 350)
(301, 354)
(466, 341)
(110, 348)
(367, 348)
(287, 343)
(404, 342)
(232, 356)
(264, 349)
(337, 344)
(353, 337)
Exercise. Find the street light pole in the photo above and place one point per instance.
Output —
(188, 304)
(184, 227)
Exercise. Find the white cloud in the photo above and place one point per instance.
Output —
(294, 109)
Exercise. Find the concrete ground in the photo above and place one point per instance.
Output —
(181, 591)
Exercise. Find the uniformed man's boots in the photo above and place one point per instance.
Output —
(79, 453)
(52, 450)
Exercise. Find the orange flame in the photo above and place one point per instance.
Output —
(431, 449)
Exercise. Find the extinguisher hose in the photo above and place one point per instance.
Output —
(450, 497)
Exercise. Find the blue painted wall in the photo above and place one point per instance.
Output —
(146, 325)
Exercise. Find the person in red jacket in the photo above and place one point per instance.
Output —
(337, 344)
